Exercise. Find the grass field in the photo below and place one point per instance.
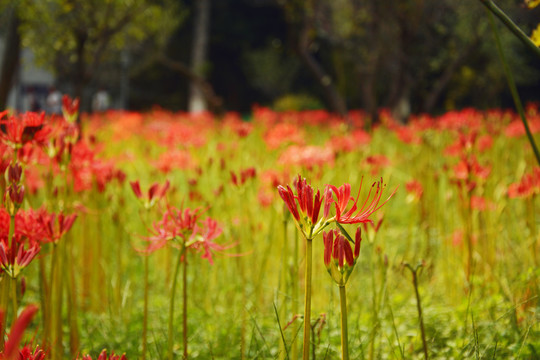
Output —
(464, 217)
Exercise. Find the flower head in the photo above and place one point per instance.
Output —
(355, 215)
(15, 258)
(305, 207)
(339, 257)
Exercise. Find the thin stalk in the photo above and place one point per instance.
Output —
(184, 309)
(509, 76)
(171, 305)
(307, 299)
(14, 302)
(11, 230)
(57, 342)
(4, 296)
(494, 9)
(44, 292)
(414, 272)
(283, 281)
(344, 329)
(295, 302)
(145, 310)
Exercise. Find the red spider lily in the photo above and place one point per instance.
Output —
(529, 185)
(155, 192)
(24, 128)
(70, 108)
(11, 347)
(14, 173)
(339, 257)
(355, 215)
(15, 258)
(26, 353)
(283, 133)
(13, 198)
(185, 229)
(55, 226)
(305, 207)
(415, 188)
(244, 176)
(307, 156)
(104, 356)
(468, 170)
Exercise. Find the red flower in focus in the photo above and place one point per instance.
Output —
(339, 257)
(305, 207)
(354, 215)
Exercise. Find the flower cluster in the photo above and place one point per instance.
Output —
(185, 229)
(305, 206)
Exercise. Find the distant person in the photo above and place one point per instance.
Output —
(54, 101)
(101, 101)
(33, 102)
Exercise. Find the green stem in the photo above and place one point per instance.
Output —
(414, 272)
(344, 331)
(184, 309)
(508, 73)
(145, 310)
(171, 304)
(11, 230)
(14, 302)
(295, 302)
(4, 295)
(307, 299)
(494, 9)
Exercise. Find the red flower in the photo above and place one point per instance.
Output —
(155, 192)
(244, 176)
(70, 108)
(355, 215)
(15, 258)
(55, 226)
(415, 188)
(186, 230)
(527, 186)
(339, 257)
(11, 347)
(104, 356)
(24, 128)
(305, 207)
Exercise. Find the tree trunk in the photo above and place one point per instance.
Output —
(11, 56)
(444, 80)
(80, 72)
(334, 99)
(213, 100)
(201, 27)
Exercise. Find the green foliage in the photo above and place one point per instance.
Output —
(56, 29)
(297, 102)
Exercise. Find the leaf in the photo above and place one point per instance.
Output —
(535, 36)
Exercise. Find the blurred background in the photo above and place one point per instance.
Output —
(409, 56)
